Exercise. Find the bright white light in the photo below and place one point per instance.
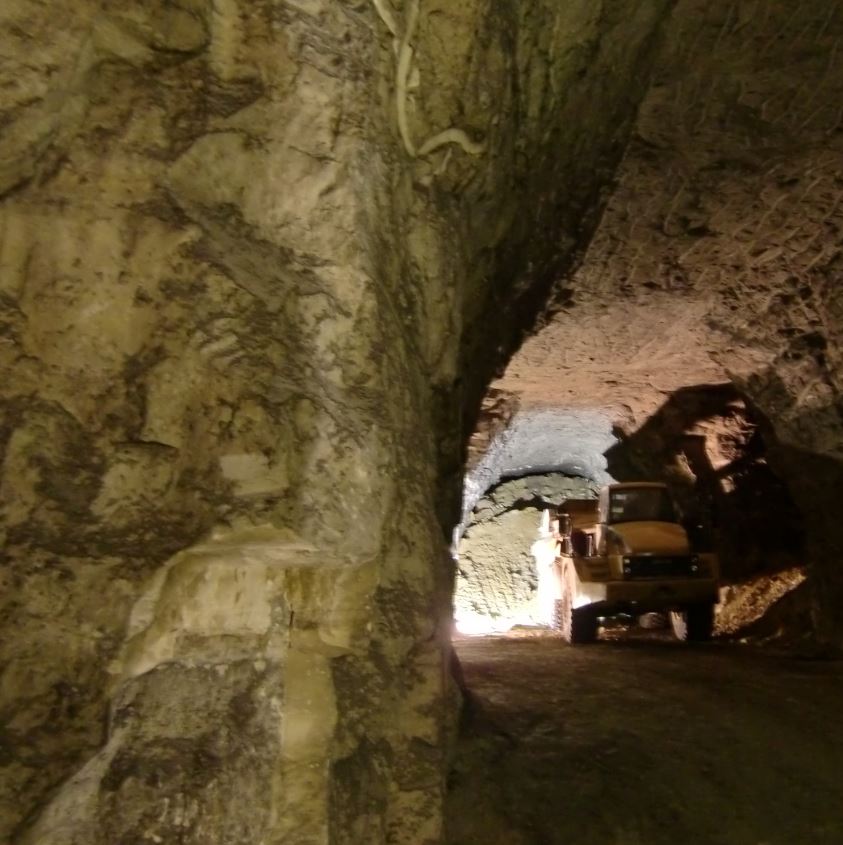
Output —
(544, 552)
(537, 611)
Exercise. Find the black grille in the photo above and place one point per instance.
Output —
(659, 566)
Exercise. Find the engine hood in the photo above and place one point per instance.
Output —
(658, 538)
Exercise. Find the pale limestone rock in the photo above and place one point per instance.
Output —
(235, 311)
(499, 574)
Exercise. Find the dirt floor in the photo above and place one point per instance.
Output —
(642, 741)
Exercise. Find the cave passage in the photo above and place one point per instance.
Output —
(707, 443)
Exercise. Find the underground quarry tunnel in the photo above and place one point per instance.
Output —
(290, 289)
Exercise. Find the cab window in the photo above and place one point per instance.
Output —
(640, 504)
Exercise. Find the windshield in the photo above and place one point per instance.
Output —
(640, 504)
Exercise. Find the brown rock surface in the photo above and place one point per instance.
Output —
(719, 255)
(641, 741)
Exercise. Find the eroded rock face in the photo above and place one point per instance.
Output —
(718, 257)
(540, 440)
(241, 321)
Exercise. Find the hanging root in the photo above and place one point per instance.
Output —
(451, 136)
(385, 14)
(402, 75)
(404, 66)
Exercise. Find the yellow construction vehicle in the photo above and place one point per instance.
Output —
(627, 553)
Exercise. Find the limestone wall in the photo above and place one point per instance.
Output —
(248, 288)
(498, 581)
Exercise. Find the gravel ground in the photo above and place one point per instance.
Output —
(642, 741)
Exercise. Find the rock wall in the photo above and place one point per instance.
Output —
(719, 255)
(549, 440)
(253, 258)
(730, 196)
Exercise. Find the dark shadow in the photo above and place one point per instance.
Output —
(740, 507)
(814, 474)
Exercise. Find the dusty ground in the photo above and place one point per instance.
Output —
(643, 741)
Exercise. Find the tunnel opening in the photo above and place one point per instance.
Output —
(497, 585)
(706, 442)
(659, 735)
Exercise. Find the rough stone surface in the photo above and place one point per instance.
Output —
(540, 440)
(496, 575)
(712, 745)
(763, 608)
(496, 572)
(719, 255)
(240, 326)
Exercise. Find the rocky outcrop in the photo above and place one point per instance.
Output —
(253, 260)
(543, 440)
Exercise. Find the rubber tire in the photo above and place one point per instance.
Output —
(577, 627)
(652, 621)
(694, 624)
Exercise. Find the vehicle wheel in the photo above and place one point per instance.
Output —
(652, 621)
(577, 626)
(694, 624)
